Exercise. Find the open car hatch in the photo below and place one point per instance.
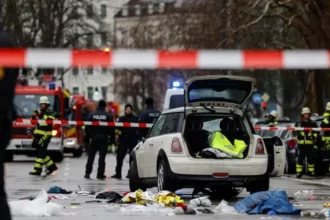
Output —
(224, 91)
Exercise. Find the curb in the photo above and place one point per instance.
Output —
(314, 182)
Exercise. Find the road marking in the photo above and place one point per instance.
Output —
(67, 170)
(315, 182)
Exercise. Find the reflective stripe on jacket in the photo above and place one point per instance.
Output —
(218, 141)
(43, 128)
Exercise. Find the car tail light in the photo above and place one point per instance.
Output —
(176, 146)
(260, 147)
(220, 175)
(292, 143)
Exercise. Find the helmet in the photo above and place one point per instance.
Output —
(274, 114)
(328, 106)
(305, 110)
(43, 100)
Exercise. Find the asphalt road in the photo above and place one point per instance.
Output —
(71, 171)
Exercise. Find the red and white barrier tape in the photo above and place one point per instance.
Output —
(19, 122)
(154, 59)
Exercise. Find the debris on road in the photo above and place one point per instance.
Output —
(224, 208)
(36, 207)
(263, 202)
(326, 205)
(304, 194)
(58, 190)
(111, 196)
(201, 201)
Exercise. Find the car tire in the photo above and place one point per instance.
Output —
(9, 157)
(78, 152)
(135, 182)
(163, 180)
(57, 157)
(290, 168)
(260, 185)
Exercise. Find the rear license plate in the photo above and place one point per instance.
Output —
(26, 144)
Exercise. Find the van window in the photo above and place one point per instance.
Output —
(176, 101)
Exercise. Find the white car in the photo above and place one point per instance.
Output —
(174, 98)
(166, 159)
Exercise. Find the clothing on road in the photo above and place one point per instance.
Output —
(100, 137)
(8, 78)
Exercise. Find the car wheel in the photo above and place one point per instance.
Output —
(78, 152)
(260, 185)
(135, 182)
(163, 180)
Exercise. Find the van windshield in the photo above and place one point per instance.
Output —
(176, 101)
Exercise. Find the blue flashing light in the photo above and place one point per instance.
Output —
(176, 84)
(52, 86)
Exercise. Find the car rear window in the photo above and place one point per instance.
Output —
(176, 101)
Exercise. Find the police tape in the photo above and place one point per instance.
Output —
(161, 59)
(22, 122)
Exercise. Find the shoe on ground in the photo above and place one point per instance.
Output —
(299, 175)
(35, 173)
(116, 176)
(87, 176)
(101, 177)
(49, 172)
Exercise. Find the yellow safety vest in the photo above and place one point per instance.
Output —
(219, 141)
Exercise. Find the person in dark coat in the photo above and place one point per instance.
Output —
(8, 78)
(149, 116)
(127, 139)
(100, 137)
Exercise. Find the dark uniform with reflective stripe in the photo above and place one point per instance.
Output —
(272, 123)
(307, 147)
(100, 136)
(326, 134)
(8, 78)
(42, 137)
(149, 116)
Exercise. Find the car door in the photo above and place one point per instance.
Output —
(170, 126)
(144, 153)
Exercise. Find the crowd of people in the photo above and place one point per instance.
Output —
(308, 141)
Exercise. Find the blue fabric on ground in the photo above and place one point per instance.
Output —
(263, 202)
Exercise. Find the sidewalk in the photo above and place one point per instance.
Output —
(320, 180)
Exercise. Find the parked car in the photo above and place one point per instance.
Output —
(167, 158)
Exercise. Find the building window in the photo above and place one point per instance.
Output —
(89, 11)
(150, 8)
(104, 38)
(90, 71)
(75, 90)
(75, 71)
(161, 8)
(104, 70)
(104, 90)
(137, 10)
(90, 92)
(124, 11)
(103, 11)
(89, 40)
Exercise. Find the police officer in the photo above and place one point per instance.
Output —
(127, 139)
(148, 116)
(8, 78)
(326, 134)
(272, 119)
(307, 141)
(100, 137)
(42, 136)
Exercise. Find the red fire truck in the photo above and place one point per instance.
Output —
(74, 134)
(26, 101)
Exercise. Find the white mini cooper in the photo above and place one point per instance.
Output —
(169, 159)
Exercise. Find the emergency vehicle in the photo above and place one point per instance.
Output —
(26, 101)
(74, 134)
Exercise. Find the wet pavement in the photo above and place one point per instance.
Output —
(71, 171)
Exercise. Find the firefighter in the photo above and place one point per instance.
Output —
(8, 78)
(100, 137)
(306, 144)
(150, 115)
(127, 139)
(42, 136)
(272, 119)
(326, 124)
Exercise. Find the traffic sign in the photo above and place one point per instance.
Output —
(257, 98)
(265, 97)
